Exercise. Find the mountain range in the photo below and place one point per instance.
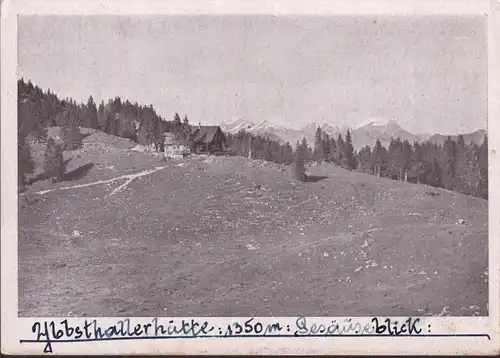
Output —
(476, 137)
(365, 133)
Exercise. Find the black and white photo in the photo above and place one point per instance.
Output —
(253, 165)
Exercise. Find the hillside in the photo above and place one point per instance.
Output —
(184, 238)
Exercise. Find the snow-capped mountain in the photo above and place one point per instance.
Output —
(235, 125)
(264, 128)
(374, 122)
(309, 131)
(275, 132)
(366, 133)
(280, 133)
(383, 129)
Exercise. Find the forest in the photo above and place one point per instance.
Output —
(456, 165)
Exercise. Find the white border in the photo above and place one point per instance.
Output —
(13, 328)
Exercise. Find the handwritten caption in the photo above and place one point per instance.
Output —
(54, 331)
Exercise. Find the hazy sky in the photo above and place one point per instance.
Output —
(429, 73)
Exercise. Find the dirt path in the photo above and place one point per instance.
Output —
(129, 177)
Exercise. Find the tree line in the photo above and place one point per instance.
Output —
(456, 165)
(39, 109)
(248, 145)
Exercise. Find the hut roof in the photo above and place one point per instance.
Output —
(206, 134)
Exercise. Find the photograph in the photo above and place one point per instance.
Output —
(240, 165)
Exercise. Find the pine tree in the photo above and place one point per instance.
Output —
(326, 147)
(53, 163)
(417, 164)
(46, 116)
(70, 132)
(380, 158)
(449, 164)
(339, 153)
(288, 154)
(110, 124)
(101, 116)
(463, 167)
(349, 158)
(25, 162)
(299, 163)
(90, 114)
(365, 162)
(305, 150)
(319, 152)
(186, 128)
(177, 124)
(30, 116)
(407, 154)
(396, 159)
(435, 175)
(332, 150)
(146, 129)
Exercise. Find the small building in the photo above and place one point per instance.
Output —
(173, 148)
(209, 139)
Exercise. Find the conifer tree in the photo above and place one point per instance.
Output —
(331, 150)
(396, 158)
(435, 175)
(305, 150)
(177, 124)
(449, 164)
(288, 153)
(90, 114)
(299, 162)
(70, 131)
(349, 158)
(326, 147)
(53, 163)
(186, 129)
(380, 159)
(365, 162)
(25, 162)
(101, 116)
(146, 134)
(463, 166)
(339, 153)
(318, 154)
(407, 154)
(417, 164)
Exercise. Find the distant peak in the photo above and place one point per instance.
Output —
(233, 120)
(311, 125)
(376, 122)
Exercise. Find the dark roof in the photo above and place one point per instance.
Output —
(206, 134)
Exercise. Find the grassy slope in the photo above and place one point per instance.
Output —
(174, 242)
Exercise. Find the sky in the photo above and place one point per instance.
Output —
(428, 73)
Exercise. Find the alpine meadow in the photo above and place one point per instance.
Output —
(252, 166)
